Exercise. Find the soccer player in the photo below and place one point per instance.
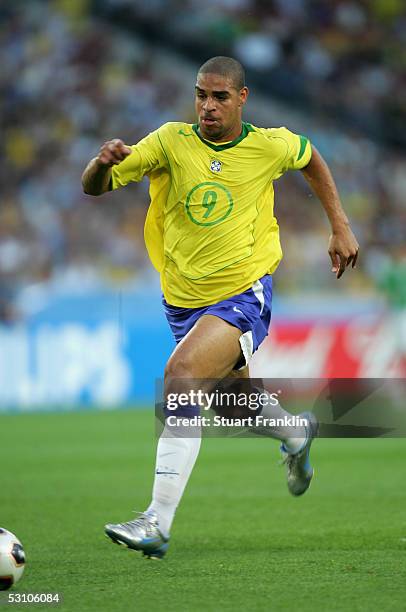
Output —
(212, 235)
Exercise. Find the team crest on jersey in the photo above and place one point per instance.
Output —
(215, 165)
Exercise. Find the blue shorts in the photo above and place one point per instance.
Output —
(249, 311)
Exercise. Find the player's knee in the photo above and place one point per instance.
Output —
(179, 367)
(178, 376)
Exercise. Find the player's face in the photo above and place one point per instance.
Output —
(219, 107)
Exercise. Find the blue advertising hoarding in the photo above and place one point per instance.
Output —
(103, 350)
(106, 349)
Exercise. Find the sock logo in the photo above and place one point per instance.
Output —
(171, 473)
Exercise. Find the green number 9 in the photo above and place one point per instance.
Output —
(209, 202)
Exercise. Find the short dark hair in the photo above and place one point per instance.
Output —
(227, 67)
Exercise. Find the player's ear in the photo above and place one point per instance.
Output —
(243, 96)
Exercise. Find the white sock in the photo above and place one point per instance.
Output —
(293, 438)
(175, 459)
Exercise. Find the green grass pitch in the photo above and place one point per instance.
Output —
(239, 541)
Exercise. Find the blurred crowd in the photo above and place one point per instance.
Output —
(345, 57)
(69, 81)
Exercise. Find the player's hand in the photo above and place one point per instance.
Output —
(113, 152)
(343, 250)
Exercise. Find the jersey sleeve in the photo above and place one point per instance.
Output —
(294, 151)
(147, 155)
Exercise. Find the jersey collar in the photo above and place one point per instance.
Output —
(246, 129)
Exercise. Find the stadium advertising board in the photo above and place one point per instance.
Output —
(70, 364)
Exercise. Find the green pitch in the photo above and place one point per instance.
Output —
(239, 541)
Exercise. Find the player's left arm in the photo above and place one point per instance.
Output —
(343, 247)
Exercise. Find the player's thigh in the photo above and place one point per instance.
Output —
(210, 350)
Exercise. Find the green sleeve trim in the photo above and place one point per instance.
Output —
(303, 144)
(163, 148)
(167, 158)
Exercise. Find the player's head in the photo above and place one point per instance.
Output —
(220, 96)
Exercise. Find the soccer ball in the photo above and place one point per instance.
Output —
(12, 559)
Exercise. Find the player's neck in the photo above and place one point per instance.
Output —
(229, 136)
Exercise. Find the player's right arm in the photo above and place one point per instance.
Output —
(96, 178)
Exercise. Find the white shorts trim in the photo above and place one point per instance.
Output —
(247, 347)
(258, 290)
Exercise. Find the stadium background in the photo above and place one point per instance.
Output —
(79, 303)
(81, 327)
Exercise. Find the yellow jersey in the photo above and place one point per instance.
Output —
(210, 230)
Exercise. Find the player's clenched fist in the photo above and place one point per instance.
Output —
(96, 178)
(113, 152)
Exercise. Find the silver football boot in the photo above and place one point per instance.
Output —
(140, 534)
(299, 472)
